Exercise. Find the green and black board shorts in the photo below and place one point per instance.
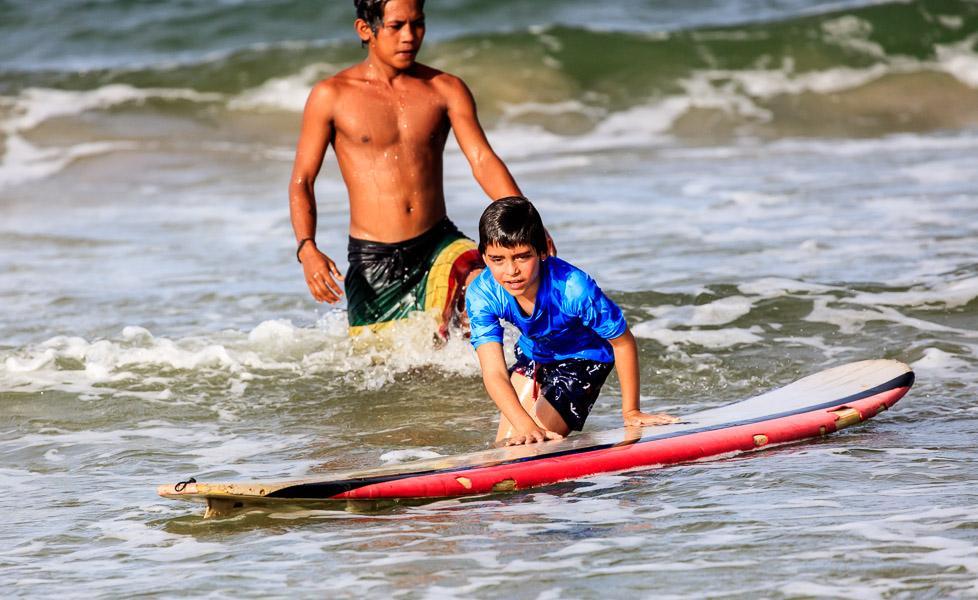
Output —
(385, 283)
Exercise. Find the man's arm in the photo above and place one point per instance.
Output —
(487, 168)
(314, 137)
(626, 363)
(500, 388)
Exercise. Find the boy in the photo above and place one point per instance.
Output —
(572, 333)
(388, 119)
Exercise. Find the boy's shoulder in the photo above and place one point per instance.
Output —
(561, 270)
(484, 283)
(485, 296)
(572, 281)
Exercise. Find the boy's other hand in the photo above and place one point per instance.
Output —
(533, 436)
(637, 417)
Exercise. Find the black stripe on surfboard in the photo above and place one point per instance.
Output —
(328, 489)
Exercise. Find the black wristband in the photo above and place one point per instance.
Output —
(301, 244)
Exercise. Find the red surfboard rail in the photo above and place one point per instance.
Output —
(631, 455)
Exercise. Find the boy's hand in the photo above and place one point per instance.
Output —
(637, 417)
(532, 436)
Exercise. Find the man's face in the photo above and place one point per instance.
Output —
(516, 269)
(398, 40)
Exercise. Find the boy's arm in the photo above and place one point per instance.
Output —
(487, 168)
(626, 363)
(314, 138)
(500, 388)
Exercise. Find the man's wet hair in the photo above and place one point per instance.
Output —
(372, 12)
(511, 222)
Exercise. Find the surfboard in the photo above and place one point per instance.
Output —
(811, 407)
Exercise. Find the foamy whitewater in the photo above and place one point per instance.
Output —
(766, 189)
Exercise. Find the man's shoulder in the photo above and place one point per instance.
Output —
(341, 80)
(442, 81)
(427, 72)
(328, 91)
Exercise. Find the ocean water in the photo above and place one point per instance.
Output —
(767, 188)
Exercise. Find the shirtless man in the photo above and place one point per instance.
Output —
(388, 119)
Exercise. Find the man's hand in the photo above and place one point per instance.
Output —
(532, 436)
(320, 272)
(551, 246)
(637, 417)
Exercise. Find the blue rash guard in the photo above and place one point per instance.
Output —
(572, 318)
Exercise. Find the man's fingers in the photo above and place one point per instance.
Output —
(319, 286)
(335, 291)
(321, 282)
(321, 277)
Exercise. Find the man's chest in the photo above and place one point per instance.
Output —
(409, 118)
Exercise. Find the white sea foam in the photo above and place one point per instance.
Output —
(736, 92)
(247, 456)
(772, 287)
(167, 547)
(957, 170)
(596, 546)
(852, 320)
(669, 327)
(713, 339)
(941, 295)
(35, 106)
(851, 588)
(960, 60)
(719, 312)
(274, 345)
(400, 456)
(640, 126)
(23, 161)
(114, 439)
(938, 363)
(283, 93)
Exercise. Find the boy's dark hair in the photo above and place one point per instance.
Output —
(372, 11)
(511, 222)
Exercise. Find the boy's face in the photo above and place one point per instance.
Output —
(398, 40)
(516, 269)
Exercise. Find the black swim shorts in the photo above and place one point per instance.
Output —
(571, 386)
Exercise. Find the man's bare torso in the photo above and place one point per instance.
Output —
(389, 139)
